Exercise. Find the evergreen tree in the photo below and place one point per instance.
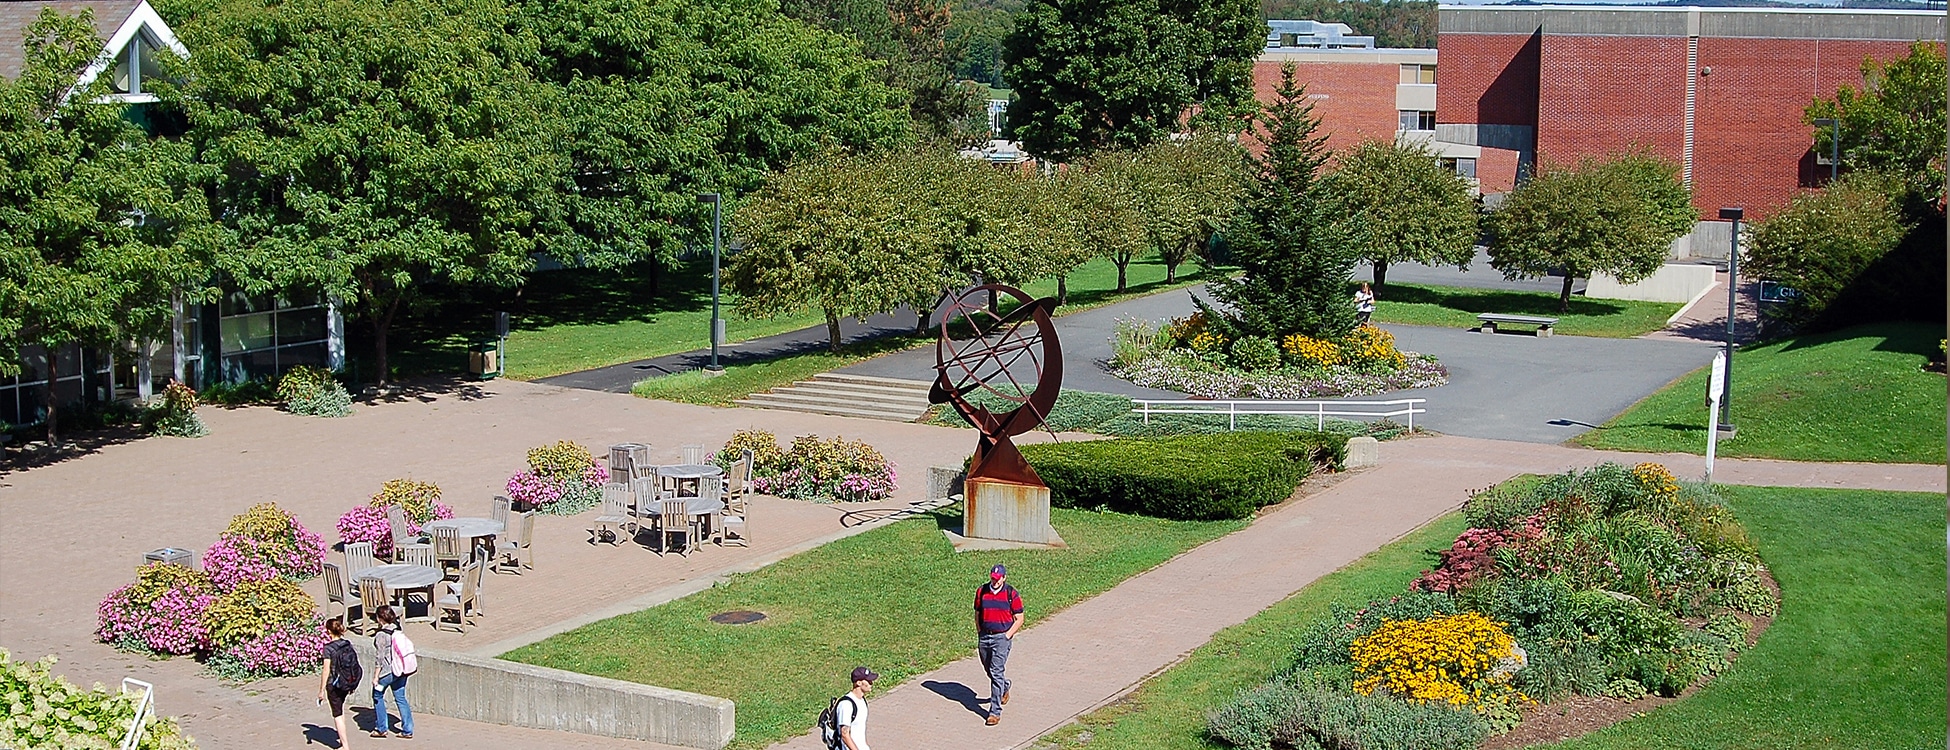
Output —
(1296, 261)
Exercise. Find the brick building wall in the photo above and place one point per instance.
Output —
(1355, 101)
(1488, 78)
(1602, 94)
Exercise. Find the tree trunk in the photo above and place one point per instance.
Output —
(656, 271)
(1380, 277)
(380, 326)
(144, 376)
(1564, 297)
(48, 397)
(832, 331)
(1171, 272)
(1122, 263)
(1062, 289)
(920, 322)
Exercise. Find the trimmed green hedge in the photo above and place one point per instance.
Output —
(1183, 477)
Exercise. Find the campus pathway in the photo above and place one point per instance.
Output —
(1100, 649)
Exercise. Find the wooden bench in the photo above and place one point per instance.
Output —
(1490, 320)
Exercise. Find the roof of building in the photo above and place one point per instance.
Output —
(17, 15)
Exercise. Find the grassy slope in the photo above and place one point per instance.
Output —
(895, 598)
(1859, 394)
(1168, 712)
(1855, 659)
(1456, 307)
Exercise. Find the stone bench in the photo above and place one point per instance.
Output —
(1489, 321)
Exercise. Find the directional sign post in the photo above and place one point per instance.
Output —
(1715, 390)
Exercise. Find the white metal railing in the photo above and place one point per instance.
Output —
(1319, 410)
(143, 706)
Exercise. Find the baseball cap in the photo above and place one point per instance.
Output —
(863, 673)
(997, 572)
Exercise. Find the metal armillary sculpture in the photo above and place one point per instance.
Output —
(988, 355)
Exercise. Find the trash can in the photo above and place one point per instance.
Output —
(484, 360)
(167, 556)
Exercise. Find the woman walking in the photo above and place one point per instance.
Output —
(1364, 304)
(338, 675)
(391, 648)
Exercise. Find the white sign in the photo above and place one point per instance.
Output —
(1716, 384)
(1715, 389)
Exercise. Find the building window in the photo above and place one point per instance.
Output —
(1464, 168)
(263, 336)
(1417, 120)
(136, 63)
(1418, 74)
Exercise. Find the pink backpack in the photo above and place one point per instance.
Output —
(406, 660)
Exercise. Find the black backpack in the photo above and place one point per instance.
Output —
(829, 722)
(346, 672)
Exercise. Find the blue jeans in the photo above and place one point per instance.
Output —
(994, 650)
(379, 718)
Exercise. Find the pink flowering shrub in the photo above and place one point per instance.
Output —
(364, 523)
(288, 649)
(828, 470)
(161, 612)
(531, 490)
(236, 560)
(1469, 559)
(264, 537)
(562, 479)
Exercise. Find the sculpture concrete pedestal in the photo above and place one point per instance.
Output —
(1007, 512)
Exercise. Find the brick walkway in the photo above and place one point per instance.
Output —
(74, 530)
(1098, 650)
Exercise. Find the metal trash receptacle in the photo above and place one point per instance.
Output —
(168, 556)
(484, 360)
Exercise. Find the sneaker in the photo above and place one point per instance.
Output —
(1005, 697)
(406, 735)
(376, 734)
(993, 720)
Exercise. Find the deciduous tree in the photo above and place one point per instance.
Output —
(1824, 241)
(1398, 204)
(97, 226)
(1894, 123)
(1617, 216)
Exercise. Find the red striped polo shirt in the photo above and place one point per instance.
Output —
(998, 609)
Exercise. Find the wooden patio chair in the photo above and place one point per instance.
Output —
(647, 492)
(403, 536)
(502, 505)
(372, 596)
(419, 554)
(694, 453)
(517, 548)
(616, 515)
(358, 558)
(448, 547)
(335, 590)
(674, 517)
(461, 599)
(734, 522)
(738, 481)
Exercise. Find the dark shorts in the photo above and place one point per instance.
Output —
(336, 697)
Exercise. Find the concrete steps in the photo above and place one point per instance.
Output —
(863, 396)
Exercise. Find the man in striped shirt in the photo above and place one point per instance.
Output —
(998, 615)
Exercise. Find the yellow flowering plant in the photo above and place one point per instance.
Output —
(1368, 344)
(1456, 660)
(1310, 350)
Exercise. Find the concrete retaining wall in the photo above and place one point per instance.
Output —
(1674, 282)
(495, 691)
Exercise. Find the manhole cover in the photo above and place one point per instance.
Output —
(737, 617)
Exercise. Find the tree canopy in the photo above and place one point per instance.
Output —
(909, 39)
(1617, 216)
(1294, 257)
(1824, 241)
(1398, 204)
(1895, 122)
(1095, 74)
(96, 230)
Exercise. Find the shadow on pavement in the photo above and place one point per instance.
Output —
(958, 693)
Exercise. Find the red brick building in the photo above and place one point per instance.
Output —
(1719, 90)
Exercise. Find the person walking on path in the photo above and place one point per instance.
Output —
(389, 674)
(998, 616)
(850, 712)
(1364, 303)
(338, 675)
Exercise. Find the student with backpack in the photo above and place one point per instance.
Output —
(843, 725)
(397, 661)
(338, 675)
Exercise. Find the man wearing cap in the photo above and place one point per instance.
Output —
(851, 713)
(998, 615)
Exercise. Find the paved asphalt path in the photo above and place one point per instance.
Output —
(1501, 386)
(1479, 276)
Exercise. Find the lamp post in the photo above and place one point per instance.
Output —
(1733, 214)
(717, 251)
(1834, 145)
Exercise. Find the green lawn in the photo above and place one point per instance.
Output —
(739, 381)
(1858, 394)
(894, 598)
(1456, 307)
(1168, 712)
(1854, 660)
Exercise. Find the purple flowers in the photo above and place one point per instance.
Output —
(161, 612)
(532, 490)
(288, 649)
(1175, 371)
(237, 560)
(365, 523)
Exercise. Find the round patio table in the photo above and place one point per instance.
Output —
(686, 477)
(697, 506)
(468, 527)
(403, 577)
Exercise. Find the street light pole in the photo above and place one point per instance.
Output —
(717, 252)
(1834, 145)
(1733, 286)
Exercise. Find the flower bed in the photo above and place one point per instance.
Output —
(244, 612)
(823, 471)
(1612, 583)
(562, 479)
(1190, 358)
(419, 503)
